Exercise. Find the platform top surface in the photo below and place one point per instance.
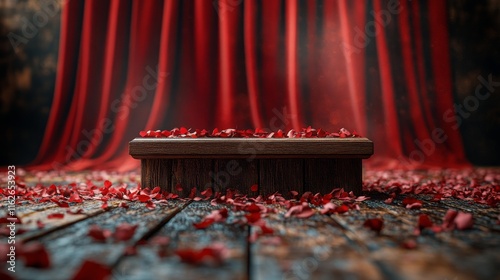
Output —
(241, 147)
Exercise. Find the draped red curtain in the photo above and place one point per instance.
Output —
(380, 67)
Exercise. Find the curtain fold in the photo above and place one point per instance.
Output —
(130, 65)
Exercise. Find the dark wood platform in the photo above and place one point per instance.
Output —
(282, 165)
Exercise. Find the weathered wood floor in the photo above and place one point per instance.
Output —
(335, 246)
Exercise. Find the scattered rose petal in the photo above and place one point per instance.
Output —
(107, 184)
(99, 234)
(375, 224)
(253, 217)
(130, 251)
(390, 199)
(464, 221)
(409, 244)
(93, 270)
(144, 198)
(204, 224)
(124, 232)
(34, 254)
(55, 216)
(150, 205)
(424, 221)
(207, 193)
(412, 203)
(39, 224)
(75, 197)
(123, 205)
(252, 208)
(449, 218)
(160, 240)
(62, 204)
(215, 254)
(300, 211)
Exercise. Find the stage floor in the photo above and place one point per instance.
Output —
(157, 238)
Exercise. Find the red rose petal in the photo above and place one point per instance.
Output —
(306, 213)
(39, 224)
(124, 232)
(254, 188)
(300, 211)
(341, 209)
(93, 270)
(160, 240)
(215, 253)
(55, 216)
(266, 230)
(449, 218)
(123, 205)
(327, 208)
(412, 203)
(204, 224)
(75, 197)
(62, 204)
(409, 244)
(207, 193)
(253, 217)
(130, 251)
(375, 224)
(150, 205)
(437, 197)
(252, 208)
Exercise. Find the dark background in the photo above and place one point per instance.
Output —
(27, 78)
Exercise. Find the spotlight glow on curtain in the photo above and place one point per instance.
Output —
(380, 67)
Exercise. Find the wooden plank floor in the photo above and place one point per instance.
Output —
(335, 246)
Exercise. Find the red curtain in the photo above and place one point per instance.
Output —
(380, 67)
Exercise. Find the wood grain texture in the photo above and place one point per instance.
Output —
(238, 174)
(190, 173)
(281, 175)
(245, 147)
(312, 248)
(33, 231)
(323, 175)
(444, 255)
(70, 246)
